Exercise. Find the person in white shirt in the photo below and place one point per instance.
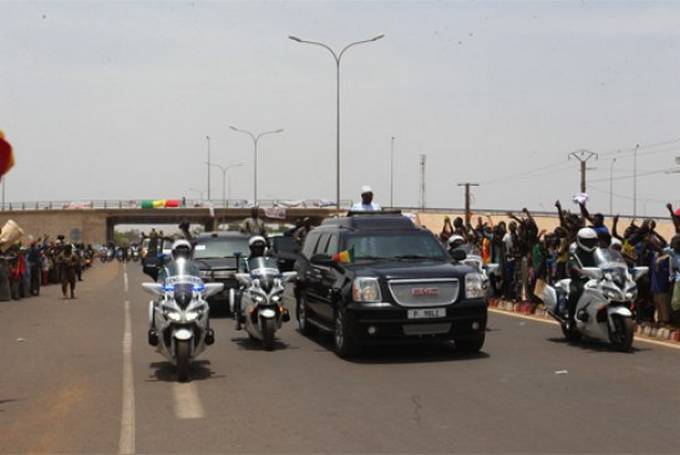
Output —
(366, 204)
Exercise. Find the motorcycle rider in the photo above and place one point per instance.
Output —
(257, 246)
(181, 249)
(580, 256)
(455, 241)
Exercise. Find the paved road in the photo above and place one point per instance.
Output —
(61, 388)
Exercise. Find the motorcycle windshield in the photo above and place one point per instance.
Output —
(606, 259)
(182, 271)
(266, 270)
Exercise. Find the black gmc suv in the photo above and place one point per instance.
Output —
(379, 279)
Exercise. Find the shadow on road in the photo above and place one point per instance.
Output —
(5, 402)
(250, 344)
(166, 372)
(407, 353)
(593, 345)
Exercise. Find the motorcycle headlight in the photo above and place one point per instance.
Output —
(276, 298)
(191, 316)
(366, 289)
(173, 315)
(257, 298)
(474, 286)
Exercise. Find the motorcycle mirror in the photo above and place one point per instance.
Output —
(153, 288)
(289, 276)
(639, 272)
(212, 289)
(244, 278)
(492, 268)
(592, 272)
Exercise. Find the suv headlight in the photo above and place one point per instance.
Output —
(474, 286)
(366, 289)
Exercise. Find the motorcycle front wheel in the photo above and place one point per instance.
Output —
(621, 335)
(571, 335)
(268, 328)
(182, 356)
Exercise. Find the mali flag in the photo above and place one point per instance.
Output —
(6, 155)
(346, 256)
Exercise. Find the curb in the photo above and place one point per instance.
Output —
(644, 331)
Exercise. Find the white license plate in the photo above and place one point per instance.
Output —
(427, 313)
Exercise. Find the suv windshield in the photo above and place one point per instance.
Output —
(395, 245)
(221, 248)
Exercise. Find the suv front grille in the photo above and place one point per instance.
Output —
(424, 293)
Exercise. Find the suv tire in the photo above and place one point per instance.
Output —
(343, 340)
(304, 326)
(470, 346)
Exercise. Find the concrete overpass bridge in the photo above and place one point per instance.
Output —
(96, 225)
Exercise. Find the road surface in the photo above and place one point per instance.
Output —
(76, 378)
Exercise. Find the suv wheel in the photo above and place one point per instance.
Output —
(304, 326)
(343, 341)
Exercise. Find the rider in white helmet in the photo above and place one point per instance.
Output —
(182, 261)
(581, 256)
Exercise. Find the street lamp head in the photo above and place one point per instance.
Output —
(233, 127)
(280, 130)
(294, 38)
(376, 38)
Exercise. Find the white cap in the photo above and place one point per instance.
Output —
(366, 189)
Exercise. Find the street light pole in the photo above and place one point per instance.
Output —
(255, 139)
(224, 170)
(392, 173)
(611, 187)
(338, 58)
(208, 139)
(637, 146)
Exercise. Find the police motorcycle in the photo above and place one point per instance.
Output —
(473, 258)
(179, 314)
(134, 252)
(603, 310)
(259, 304)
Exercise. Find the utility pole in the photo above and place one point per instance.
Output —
(392, 173)
(583, 156)
(637, 147)
(468, 214)
(611, 187)
(208, 139)
(423, 159)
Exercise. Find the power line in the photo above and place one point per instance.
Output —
(644, 174)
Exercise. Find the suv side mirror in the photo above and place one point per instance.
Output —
(322, 260)
(458, 254)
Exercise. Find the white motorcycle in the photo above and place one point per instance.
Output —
(179, 316)
(262, 307)
(603, 310)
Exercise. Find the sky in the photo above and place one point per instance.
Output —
(114, 100)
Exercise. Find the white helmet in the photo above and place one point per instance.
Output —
(181, 249)
(257, 239)
(586, 239)
(456, 241)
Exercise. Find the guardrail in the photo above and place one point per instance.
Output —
(183, 203)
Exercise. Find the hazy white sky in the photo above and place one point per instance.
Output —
(114, 100)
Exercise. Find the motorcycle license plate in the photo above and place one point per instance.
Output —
(427, 313)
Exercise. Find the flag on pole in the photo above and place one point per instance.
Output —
(6, 155)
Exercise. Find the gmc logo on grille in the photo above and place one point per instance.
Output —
(424, 292)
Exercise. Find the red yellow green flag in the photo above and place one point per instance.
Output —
(6, 155)
(346, 256)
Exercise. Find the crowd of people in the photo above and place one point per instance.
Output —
(25, 269)
(529, 257)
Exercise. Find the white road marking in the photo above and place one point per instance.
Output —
(125, 278)
(126, 444)
(187, 402)
(550, 321)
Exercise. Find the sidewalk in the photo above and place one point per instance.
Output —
(644, 330)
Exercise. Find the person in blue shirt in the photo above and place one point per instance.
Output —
(674, 252)
(366, 204)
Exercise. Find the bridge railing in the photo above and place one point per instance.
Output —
(183, 203)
